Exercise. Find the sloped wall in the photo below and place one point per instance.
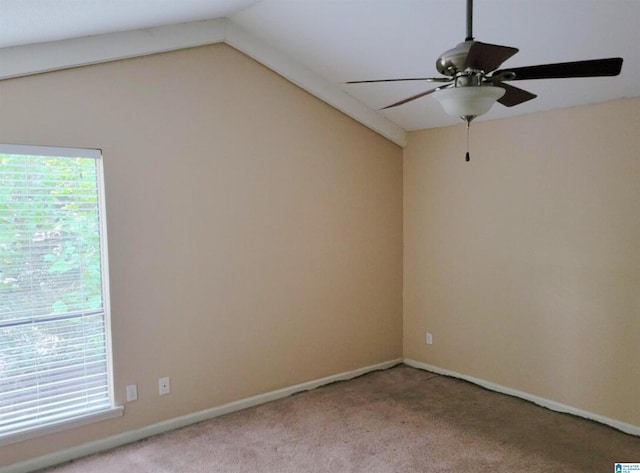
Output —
(255, 233)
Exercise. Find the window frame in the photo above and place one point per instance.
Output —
(113, 410)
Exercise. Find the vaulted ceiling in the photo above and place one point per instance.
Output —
(334, 41)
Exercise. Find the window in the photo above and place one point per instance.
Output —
(55, 361)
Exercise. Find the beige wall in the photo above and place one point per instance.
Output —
(525, 262)
(255, 233)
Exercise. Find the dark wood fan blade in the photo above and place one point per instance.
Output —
(593, 68)
(487, 57)
(428, 79)
(513, 95)
(414, 97)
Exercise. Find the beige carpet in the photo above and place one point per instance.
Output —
(398, 420)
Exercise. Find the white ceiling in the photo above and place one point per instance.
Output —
(343, 40)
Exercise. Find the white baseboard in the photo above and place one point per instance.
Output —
(160, 427)
(177, 422)
(553, 405)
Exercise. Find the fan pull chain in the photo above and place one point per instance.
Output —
(467, 157)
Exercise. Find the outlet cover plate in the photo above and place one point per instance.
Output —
(132, 392)
(164, 386)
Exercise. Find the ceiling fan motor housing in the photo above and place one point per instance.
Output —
(453, 60)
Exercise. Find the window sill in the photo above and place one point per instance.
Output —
(26, 434)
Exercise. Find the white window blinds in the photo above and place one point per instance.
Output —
(54, 343)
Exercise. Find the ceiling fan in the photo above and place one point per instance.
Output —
(472, 82)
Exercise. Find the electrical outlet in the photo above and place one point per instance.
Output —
(132, 392)
(164, 386)
(429, 338)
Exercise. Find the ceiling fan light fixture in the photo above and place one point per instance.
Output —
(468, 102)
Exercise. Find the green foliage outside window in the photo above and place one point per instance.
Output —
(49, 238)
